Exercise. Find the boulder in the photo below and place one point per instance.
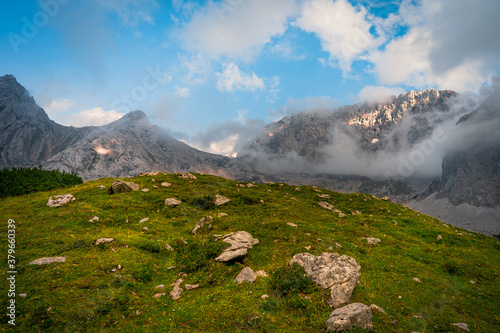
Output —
(352, 315)
(201, 223)
(60, 200)
(172, 202)
(47, 260)
(220, 200)
(240, 241)
(247, 274)
(119, 186)
(331, 271)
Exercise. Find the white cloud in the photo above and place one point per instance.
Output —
(449, 45)
(378, 93)
(182, 92)
(343, 30)
(58, 105)
(92, 117)
(237, 29)
(132, 12)
(197, 67)
(225, 147)
(309, 103)
(232, 78)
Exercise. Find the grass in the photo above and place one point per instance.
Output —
(85, 295)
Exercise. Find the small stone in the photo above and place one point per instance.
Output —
(186, 176)
(172, 202)
(462, 326)
(247, 274)
(308, 247)
(342, 215)
(377, 308)
(170, 267)
(113, 270)
(264, 296)
(94, 219)
(220, 200)
(138, 312)
(222, 214)
(330, 248)
(144, 220)
(168, 247)
(371, 240)
(417, 280)
(103, 240)
(145, 190)
(240, 241)
(119, 267)
(261, 273)
(472, 282)
(176, 292)
(291, 224)
(23, 295)
(296, 189)
(161, 286)
(145, 229)
(155, 186)
(439, 237)
(191, 286)
(102, 187)
(201, 223)
(153, 180)
(159, 295)
(165, 184)
(338, 245)
(323, 196)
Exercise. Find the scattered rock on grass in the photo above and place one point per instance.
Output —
(462, 326)
(47, 260)
(172, 202)
(94, 219)
(291, 224)
(204, 220)
(349, 316)
(331, 271)
(103, 240)
(159, 295)
(416, 279)
(220, 200)
(165, 184)
(60, 200)
(377, 308)
(186, 176)
(176, 292)
(145, 190)
(371, 240)
(102, 187)
(191, 286)
(119, 186)
(240, 241)
(439, 237)
(247, 274)
(144, 220)
(169, 247)
(222, 215)
(261, 273)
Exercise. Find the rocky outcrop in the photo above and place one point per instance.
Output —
(172, 202)
(240, 241)
(220, 200)
(331, 271)
(60, 200)
(350, 316)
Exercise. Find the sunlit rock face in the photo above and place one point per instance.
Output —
(374, 125)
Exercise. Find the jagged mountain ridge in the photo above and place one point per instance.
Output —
(306, 132)
(126, 147)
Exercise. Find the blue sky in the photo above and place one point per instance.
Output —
(214, 72)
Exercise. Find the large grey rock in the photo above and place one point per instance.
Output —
(247, 274)
(47, 260)
(240, 241)
(349, 316)
(60, 200)
(331, 271)
(120, 186)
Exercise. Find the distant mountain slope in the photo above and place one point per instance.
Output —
(126, 147)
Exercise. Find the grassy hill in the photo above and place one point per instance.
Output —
(83, 294)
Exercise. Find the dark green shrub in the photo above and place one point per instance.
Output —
(291, 280)
(20, 181)
(197, 254)
(451, 268)
(150, 246)
(244, 200)
(143, 274)
(205, 202)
